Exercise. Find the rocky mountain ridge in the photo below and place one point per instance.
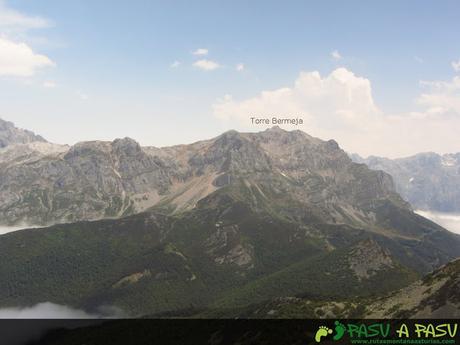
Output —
(10, 135)
(216, 226)
(428, 181)
(93, 180)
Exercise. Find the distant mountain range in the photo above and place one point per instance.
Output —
(43, 183)
(212, 228)
(428, 181)
(9, 134)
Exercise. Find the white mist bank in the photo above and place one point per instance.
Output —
(6, 229)
(48, 310)
(450, 221)
(37, 320)
(45, 310)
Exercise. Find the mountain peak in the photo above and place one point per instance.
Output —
(230, 138)
(232, 133)
(275, 129)
(10, 135)
(127, 146)
(126, 141)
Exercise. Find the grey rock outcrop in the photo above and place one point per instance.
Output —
(95, 179)
(9, 135)
(428, 181)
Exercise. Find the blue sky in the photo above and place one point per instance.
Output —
(109, 71)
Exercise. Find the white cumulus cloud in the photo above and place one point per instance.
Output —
(13, 21)
(341, 94)
(207, 65)
(49, 84)
(441, 97)
(175, 64)
(239, 67)
(18, 59)
(336, 55)
(341, 106)
(201, 51)
(456, 65)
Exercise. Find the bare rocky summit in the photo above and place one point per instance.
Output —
(428, 181)
(218, 226)
(10, 135)
(93, 180)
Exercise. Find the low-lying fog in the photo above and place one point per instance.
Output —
(450, 221)
(41, 318)
(46, 310)
(6, 229)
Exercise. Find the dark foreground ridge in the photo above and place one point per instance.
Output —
(228, 332)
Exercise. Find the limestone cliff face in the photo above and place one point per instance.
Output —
(235, 220)
(10, 135)
(427, 180)
(96, 179)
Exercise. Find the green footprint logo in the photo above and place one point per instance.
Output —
(339, 330)
(322, 332)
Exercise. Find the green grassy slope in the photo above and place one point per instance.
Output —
(226, 253)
